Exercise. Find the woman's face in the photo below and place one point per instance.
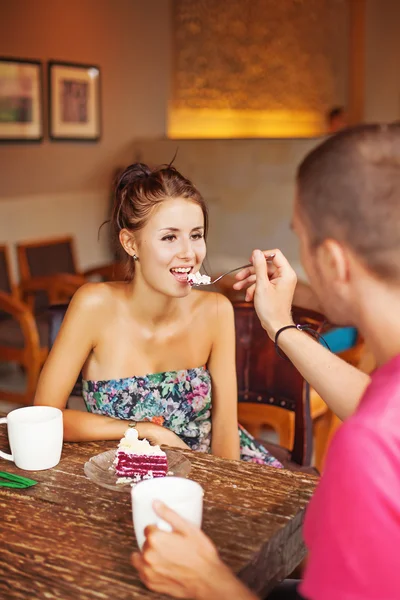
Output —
(170, 246)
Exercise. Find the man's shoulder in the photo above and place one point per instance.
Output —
(361, 450)
(378, 414)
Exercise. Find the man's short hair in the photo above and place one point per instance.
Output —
(349, 191)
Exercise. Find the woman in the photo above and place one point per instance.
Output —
(152, 349)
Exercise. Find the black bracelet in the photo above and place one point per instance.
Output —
(307, 328)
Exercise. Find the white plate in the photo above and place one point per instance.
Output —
(100, 470)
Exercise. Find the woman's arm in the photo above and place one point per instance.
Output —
(222, 367)
(76, 339)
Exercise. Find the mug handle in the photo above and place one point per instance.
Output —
(4, 454)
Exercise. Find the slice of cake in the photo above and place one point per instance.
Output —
(138, 459)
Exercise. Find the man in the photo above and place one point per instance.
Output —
(347, 218)
(336, 119)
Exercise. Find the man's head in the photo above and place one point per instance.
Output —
(336, 119)
(347, 215)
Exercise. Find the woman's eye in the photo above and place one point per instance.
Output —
(168, 238)
(197, 236)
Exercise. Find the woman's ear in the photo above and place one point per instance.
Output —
(333, 261)
(127, 240)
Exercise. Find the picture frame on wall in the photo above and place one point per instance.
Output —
(21, 100)
(74, 102)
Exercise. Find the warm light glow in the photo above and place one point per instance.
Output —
(206, 123)
(93, 73)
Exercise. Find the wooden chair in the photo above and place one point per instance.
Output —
(255, 416)
(267, 380)
(23, 339)
(49, 272)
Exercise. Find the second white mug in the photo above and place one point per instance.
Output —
(184, 496)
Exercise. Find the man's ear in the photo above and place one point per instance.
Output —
(333, 261)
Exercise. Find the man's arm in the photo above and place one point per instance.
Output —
(224, 586)
(272, 285)
(339, 384)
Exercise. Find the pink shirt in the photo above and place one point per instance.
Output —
(352, 526)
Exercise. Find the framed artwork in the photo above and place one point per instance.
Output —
(21, 100)
(74, 102)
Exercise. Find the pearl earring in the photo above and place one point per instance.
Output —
(135, 257)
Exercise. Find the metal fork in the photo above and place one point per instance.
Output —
(267, 258)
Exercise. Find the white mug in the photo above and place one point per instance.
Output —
(35, 434)
(184, 496)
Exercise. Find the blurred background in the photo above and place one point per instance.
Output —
(255, 78)
(238, 90)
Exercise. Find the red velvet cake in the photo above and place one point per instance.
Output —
(138, 459)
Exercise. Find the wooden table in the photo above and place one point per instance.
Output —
(67, 538)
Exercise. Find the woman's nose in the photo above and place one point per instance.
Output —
(186, 250)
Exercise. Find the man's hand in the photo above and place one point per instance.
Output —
(185, 563)
(271, 285)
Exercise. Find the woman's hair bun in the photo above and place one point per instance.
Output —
(132, 174)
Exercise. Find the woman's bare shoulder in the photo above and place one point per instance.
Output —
(98, 296)
(214, 304)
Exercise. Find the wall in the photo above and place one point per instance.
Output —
(382, 90)
(63, 187)
(257, 68)
(249, 184)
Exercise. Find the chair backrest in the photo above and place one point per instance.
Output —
(45, 257)
(6, 283)
(266, 378)
(56, 315)
(6, 279)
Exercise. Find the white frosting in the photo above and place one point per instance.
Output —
(199, 279)
(130, 444)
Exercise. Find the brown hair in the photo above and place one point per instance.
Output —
(139, 189)
(349, 191)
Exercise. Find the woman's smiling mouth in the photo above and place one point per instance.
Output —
(181, 273)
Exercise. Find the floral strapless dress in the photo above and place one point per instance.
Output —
(179, 400)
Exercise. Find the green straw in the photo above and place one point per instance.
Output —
(15, 481)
